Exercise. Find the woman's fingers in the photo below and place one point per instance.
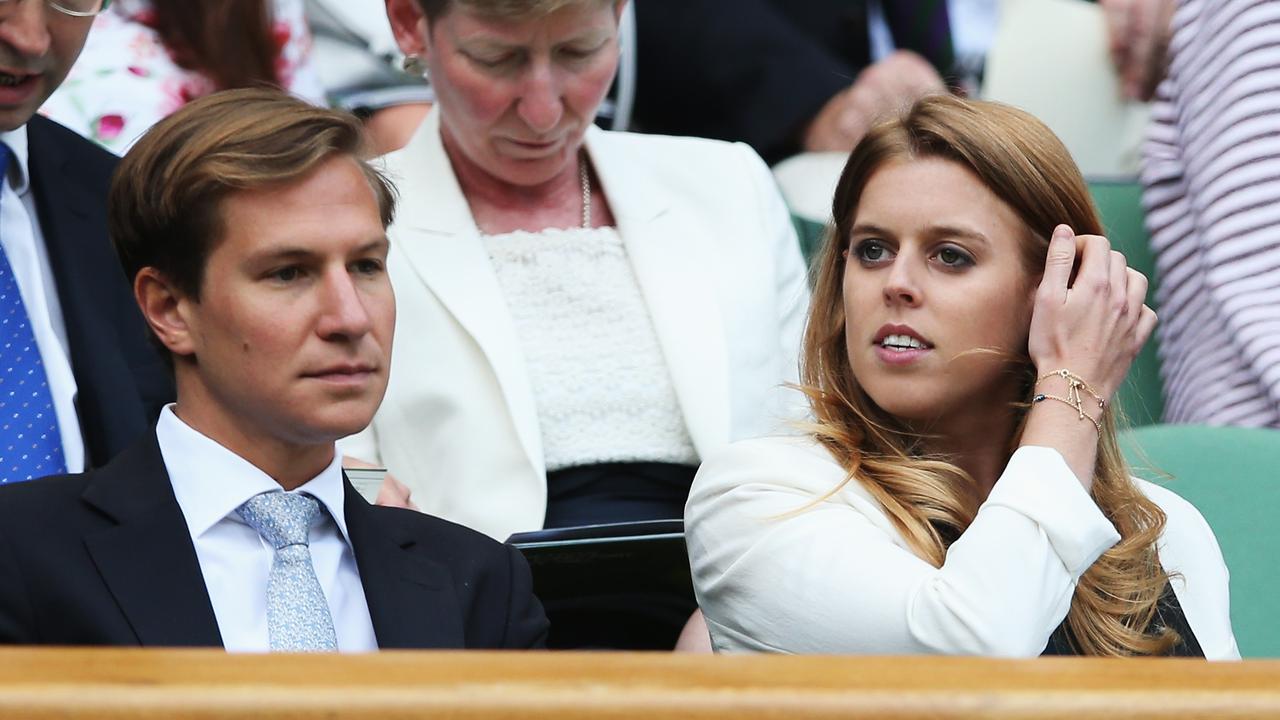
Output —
(1119, 283)
(1137, 296)
(1146, 325)
(1094, 276)
(1059, 261)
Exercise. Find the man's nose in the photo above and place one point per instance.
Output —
(343, 310)
(24, 27)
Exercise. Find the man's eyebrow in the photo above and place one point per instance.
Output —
(302, 252)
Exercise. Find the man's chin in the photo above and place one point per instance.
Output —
(12, 118)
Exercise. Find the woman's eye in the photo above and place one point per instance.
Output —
(493, 61)
(871, 251)
(952, 257)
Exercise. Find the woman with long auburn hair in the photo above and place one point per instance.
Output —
(960, 490)
(144, 59)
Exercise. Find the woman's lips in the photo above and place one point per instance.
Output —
(899, 357)
(528, 150)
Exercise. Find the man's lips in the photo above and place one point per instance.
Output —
(342, 373)
(16, 86)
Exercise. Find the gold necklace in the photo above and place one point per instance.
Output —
(584, 178)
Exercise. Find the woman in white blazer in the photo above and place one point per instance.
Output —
(961, 491)
(610, 306)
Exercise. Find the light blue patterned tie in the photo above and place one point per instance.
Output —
(30, 445)
(298, 618)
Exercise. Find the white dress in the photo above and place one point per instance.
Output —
(774, 575)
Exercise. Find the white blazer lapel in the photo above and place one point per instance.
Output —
(671, 266)
(440, 240)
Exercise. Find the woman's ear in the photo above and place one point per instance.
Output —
(408, 25)
(166, 311)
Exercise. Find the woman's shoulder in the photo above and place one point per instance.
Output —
(675, 153)
(1189, 552)
(789, 463)
(1182, 519)
(774, 450)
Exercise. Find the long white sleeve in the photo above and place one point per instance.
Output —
(838, 577)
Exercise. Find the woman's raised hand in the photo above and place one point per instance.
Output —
(1093, 325)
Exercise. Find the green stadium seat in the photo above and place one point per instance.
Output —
(1141, 397)
(1230, 474)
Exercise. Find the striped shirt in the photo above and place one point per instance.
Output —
(1211, 168)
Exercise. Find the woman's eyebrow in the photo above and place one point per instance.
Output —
(958, 232)
(869, 229)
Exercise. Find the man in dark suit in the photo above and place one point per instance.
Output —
(255, 235)
(97, 384)
(783, 76)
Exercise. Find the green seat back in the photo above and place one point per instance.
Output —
(1232, 475)
(810, 233)
(1141, 397)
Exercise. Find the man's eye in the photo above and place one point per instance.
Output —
(286, 274)
(367, 267)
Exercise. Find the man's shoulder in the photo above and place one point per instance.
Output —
(444, 539)
(47, 138)
(35, 502)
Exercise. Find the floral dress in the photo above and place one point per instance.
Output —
(126, 80)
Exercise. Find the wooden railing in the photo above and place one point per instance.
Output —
(39, 684)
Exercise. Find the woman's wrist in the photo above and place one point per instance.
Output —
(1058, 425)
(1067, 388)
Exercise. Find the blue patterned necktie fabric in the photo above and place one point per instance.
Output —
(298, 618)
(30, 444)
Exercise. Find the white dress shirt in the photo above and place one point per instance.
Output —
(24, 245)
(973, 30)
(210, 482)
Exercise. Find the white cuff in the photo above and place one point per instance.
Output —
(1038, 483)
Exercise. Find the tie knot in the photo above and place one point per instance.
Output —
(281, 518)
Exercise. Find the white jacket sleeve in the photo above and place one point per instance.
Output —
(773, 572)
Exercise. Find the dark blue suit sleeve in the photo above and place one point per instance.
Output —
(527, 623)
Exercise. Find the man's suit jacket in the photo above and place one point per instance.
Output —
(121, 377)
(718, 265)
(105, 558)
(751, 70)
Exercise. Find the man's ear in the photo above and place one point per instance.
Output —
(166, 310)
(409, 25)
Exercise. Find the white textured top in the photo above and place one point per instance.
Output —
(599, 378)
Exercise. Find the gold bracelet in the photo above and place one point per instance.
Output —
(1075, 384)
(1083, 415)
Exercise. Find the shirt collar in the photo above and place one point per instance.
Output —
(210, 482)
(17, 141)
